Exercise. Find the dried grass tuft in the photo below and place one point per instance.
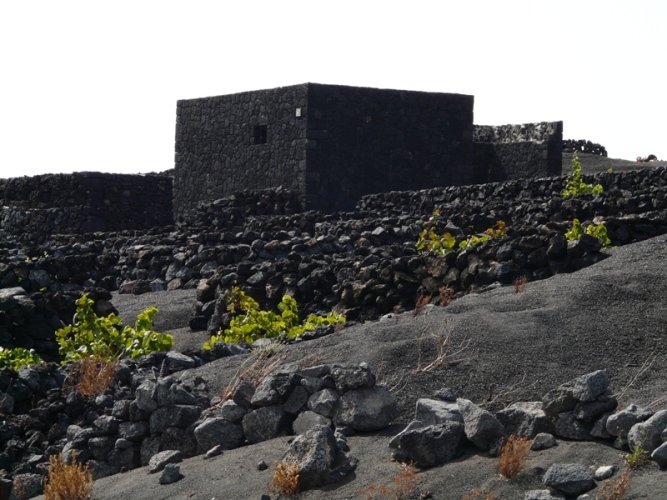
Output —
(520, 284)
(513, 456)
(447, 351)
(254, 373)
(615, 490)
(422, 301)
(90, 376)
(285, 480)
(67, 481)
(479, 495)
(404, 485)
(446, 294)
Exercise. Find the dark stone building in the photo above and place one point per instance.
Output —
(334, 143)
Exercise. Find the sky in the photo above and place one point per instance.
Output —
(92, 86)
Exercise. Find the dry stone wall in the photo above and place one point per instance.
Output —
(583, 146)
(508, 152)
(83, 202)
(361, 263)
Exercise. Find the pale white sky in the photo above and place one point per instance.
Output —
(91, 85)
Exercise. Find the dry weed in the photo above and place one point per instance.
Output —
(285, 480)
(447, 352)
(479, 495)
(648, 362)
(311, 359)
(520, 284)
(615, 490)
(403, 486)
(422, 301)
(90, 376)
(67, 482)
(255, 372)
(513, 456)
(446, 294)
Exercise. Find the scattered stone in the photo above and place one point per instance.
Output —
(367, 409)
(481, 427)
(170, 474)
(604, 472)
(213, 452)
(647, 434)
(570, 479)
(543, 441)
(542, 495)
(432, 412)
(620, 423)
(525, 419)
(430, 446)
(308, 420)
(659, 455)
(160, 460)
(319, 459)
(218, 432)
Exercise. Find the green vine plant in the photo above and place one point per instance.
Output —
(251, 323)
(18, 357)
(597, 230)
(101, 337)
(430, 241)
(500, 231)
(575, 185)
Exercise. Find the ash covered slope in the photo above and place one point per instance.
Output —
(608, 316)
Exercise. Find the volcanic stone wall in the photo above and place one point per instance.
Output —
(84, 202)
(510, 152)
(330, 143)
(584, 146)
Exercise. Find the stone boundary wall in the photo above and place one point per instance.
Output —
(583, 146)
(509, 152)
(232, 210)
(362, 263)
(84, 202)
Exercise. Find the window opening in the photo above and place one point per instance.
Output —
(260, 132)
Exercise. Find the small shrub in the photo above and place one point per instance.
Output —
(520, 284)
(575, 185)
(597, 230)
(637, 458)
(251, 323)
(615, 490)
(479, 495)
(91, 376)
(18, 357)
(67, 481)
(404, 485)
(513, 456)
(101, 338)
(285, 480)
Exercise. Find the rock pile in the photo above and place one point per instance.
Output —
(149, 418)
(581, 409)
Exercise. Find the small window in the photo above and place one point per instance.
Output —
(260, 134)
